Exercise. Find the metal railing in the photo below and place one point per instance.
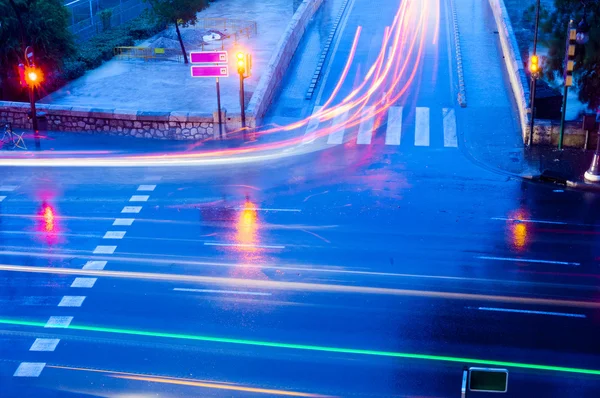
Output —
(148, 53)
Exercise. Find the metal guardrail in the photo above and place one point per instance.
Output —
(148, 53)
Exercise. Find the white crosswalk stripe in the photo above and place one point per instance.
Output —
(311, 127)
(365, 130)
(422, 127)
(393, 132)
(337, 137)
(450, 139)
(395, 128)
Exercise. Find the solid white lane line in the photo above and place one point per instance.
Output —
(114, 235)
(59, 322)
(526, 260)
(337, 137)
(181, 289)
(422, 127)
(29, 369)
(311, 127)
(532, 312)
(123, 221)
(2, 198)
(244, 245)
(365, 130)
(84, 282)
(266, 209)
(44, 345)
(95, 265)
(105, 249)
(393, 132)
(529, 221)
(450, 138)
(139, 198)
(146, 188)
(131, 209)
(71, 301)
(8, 188)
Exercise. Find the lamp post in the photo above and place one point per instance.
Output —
(534, 69)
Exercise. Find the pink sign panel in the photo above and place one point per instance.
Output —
(208, 57)
(210, 71)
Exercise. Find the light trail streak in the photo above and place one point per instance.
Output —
(218, 385)
(302, 286)
(312, 348)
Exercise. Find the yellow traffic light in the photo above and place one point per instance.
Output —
(534, 66)
(241, 63)
(240, 56)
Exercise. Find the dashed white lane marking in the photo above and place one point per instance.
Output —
(393, 132)
(450, 139)
(181, 289)
(84, 282)
(44, 345)
(337, 137)
(527, 260)
(266, 209)
(244, 245)
(29, 369)
(365, 130)
(532, 312)
(422, 127)
(529, 221)
(2, 198)
(71, 301)
(311, 127)
(139, 198)
(114, 235)
(105, 249)
(123, 221)
(131, 209)
(95, 265)
(59, 322)
(8, 188)
(146, 188)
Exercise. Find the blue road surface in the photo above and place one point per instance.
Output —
(373, 269)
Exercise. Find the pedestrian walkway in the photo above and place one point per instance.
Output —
(397, 126)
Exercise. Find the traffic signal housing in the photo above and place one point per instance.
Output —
(243, 63)
(534, 65)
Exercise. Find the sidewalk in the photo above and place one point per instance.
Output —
(163, 85)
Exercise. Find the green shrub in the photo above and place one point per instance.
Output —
(145, 26)
(73, 69)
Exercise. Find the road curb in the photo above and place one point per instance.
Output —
(317, 75)
(462, 93)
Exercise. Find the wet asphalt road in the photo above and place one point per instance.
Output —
(350, 270)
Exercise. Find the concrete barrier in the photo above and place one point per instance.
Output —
(272, 77)
(514, 63)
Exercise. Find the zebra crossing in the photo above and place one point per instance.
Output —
(419, 127)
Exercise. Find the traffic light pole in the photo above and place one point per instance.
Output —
(242, 103)
(34, 121)
(219, 109)
(532, 119)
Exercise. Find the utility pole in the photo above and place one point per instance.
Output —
(569, 64)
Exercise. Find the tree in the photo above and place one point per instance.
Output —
(553, 28)
(179, 12)
(41, 24)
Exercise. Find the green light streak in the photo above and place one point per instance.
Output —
(304, 347)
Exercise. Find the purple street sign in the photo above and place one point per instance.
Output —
(210, 71)
(208, 57)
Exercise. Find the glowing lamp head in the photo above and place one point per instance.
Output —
(534, 66)
(33, 76)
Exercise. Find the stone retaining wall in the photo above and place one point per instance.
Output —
(280, 60)
(159, 125)
(547, 132)
(514, 63)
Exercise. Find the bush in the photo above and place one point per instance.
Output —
(145, 26)
(73, 69)
(100, 48)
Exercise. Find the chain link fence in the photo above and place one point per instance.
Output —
(89, 17)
